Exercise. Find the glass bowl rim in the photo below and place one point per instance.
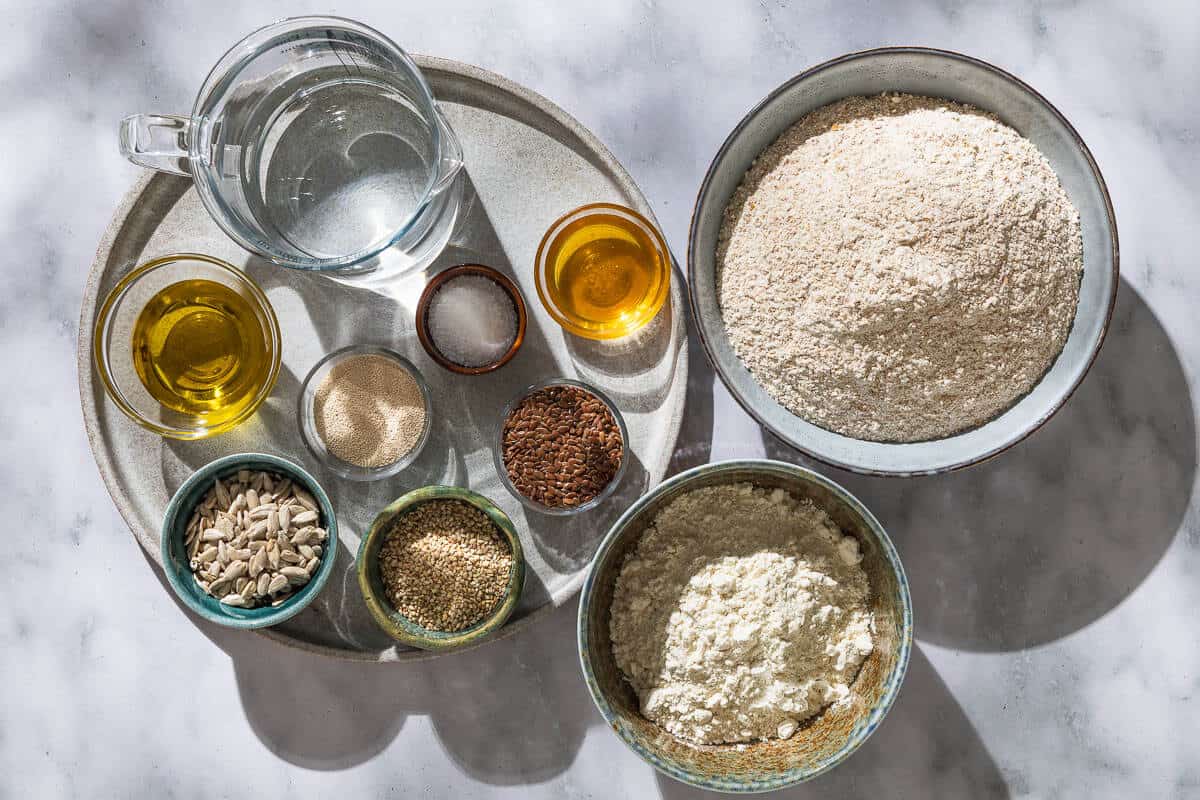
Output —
(305, 407)
(502, 470)
(540, 267)
(100, 350)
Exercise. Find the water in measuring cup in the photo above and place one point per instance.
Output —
(340, 167)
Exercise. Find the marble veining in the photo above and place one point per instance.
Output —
(1055, 587)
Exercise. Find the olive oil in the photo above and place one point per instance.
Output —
(606, 272)
(200, 349)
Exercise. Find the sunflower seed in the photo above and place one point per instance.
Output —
(258, 563)
(248, 589)
(291, 557)
(284, 517)
(214, 569)
(273, 555)
(262, 511)
(234, 570)
(277, 582)
(304, 498)
(243, 476)
(273, 522)
(311, 566)
(307, 551)
(212, 535)
(317, 550)
(233, 600)
(304, 518)
(222, 553)
(295, 575)
(251, 499)
(207, 554)
(222, 493)
(258, 530)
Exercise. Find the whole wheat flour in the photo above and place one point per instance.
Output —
(741, 613)
(899, 268)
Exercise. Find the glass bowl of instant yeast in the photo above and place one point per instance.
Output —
(187, 346)
(562, 447)
(602, 271)
(365, 412)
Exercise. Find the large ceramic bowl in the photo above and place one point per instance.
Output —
(939, 74)
(834, 734)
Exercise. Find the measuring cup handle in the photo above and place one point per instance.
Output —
(157, 141)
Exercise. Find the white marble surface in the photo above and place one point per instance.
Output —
(1056, 587)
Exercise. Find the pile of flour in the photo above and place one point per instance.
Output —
(741, 613)
(899, 268)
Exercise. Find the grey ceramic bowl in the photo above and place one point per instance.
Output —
(936, 73)
(819, 745)
(174, 552)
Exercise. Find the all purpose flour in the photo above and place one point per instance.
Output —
(741, 613)
(899, 268)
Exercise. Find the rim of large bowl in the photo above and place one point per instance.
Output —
(876, 715)
(100, 346)
(808, 73)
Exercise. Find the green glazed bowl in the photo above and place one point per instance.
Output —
(174, 552)
(819, 745)
(397, 625)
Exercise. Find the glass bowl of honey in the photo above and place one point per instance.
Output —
(187, 346)
(602, 271)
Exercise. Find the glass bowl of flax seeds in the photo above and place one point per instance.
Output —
(562, 447)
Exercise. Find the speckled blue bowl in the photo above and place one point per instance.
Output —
(819, 745)
(174, 553)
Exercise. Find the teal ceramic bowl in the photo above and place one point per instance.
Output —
(826, 740)
(400, 627)
(174, 553)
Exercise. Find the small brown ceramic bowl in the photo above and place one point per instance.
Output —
(436, 283)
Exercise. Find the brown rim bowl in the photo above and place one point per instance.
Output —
(436, 283)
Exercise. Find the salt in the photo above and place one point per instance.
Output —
(472, 321)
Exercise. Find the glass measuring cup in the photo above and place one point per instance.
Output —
(316, 143)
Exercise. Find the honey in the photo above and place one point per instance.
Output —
(603, 272)
(199, 348)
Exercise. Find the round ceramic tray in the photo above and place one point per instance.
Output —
(528, 162)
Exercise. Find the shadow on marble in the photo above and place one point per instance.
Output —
(511, 713)
(925, 747)
(694, 445)
(1048, 537)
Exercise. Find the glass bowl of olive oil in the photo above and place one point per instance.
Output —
(187, 346)
(602, 271)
